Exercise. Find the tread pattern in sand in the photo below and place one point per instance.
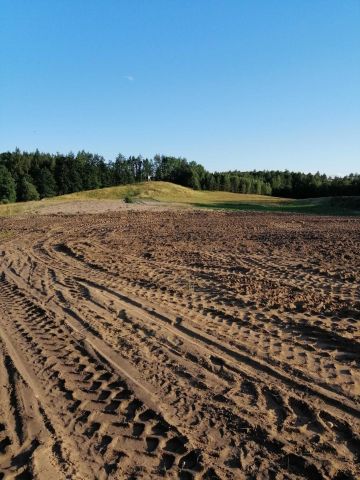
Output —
(233, 340)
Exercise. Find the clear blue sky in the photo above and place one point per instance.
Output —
(232, 84)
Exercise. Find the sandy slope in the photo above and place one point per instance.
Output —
(180, 344)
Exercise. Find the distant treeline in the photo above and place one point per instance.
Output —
(29, 176)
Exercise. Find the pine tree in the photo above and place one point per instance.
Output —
(47, 187)
(27, 190)
(7, 186)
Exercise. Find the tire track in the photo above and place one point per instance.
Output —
(178, 308)
(135, 423)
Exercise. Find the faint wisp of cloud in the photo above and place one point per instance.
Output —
(130, 78)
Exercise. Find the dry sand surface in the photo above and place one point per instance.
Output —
(76, 207)
(181, 345)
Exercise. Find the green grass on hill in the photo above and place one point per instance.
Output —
(167, 192)
(171, 193)
(316, 206)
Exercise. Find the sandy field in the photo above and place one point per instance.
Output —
(179, 344)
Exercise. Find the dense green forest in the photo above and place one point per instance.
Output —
(33, 175)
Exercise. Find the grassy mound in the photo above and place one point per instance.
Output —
(171, 193)
(167, 192)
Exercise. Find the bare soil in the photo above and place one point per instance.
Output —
(145, 344)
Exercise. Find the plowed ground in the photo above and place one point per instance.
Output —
(180, 345)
